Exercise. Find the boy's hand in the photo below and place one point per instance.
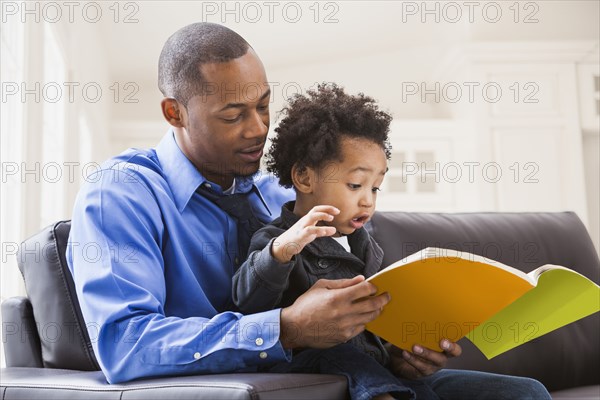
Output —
(292, 241)
(422, 361)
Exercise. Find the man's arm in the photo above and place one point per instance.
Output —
(123, 293)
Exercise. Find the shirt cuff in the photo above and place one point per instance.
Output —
(261, 332)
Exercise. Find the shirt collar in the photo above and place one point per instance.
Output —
(183, 177)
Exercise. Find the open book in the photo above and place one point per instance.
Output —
(440, 293)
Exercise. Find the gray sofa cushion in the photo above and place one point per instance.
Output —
(566, 358)
(36, 383)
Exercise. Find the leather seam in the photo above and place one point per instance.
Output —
(301, 386)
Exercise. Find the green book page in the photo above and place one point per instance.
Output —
(560, 297)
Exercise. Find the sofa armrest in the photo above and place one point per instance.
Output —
(19, 334)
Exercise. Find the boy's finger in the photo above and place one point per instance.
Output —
(321, 230)
(313, 217)
(325, 208)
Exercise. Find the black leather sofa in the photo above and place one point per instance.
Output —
(49, 355)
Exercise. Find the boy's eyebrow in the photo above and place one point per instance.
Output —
(367, 169)
(244, 105)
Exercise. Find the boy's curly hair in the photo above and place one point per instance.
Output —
(309, 135)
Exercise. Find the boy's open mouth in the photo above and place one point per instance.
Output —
(358, 222)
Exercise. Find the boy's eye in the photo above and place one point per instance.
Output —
(375, 190)
(354, 186)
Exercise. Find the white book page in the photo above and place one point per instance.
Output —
(435, 252)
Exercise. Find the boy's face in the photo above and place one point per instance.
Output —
(352, 184)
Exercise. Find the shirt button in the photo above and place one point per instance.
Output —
(236, 261)
(323, 264)
(197, 356)
(259, 341)
(263, 354)
(207, 185)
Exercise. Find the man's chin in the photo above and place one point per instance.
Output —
(247, 170)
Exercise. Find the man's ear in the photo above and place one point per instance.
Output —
(303, 179)
(173, 112)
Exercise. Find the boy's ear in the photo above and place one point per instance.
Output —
(303, 179)
(173, 112)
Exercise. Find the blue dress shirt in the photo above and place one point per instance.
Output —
(152, 262)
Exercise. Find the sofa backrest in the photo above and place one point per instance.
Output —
(565, 358)
(65, 342)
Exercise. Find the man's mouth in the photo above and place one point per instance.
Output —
(252, 154)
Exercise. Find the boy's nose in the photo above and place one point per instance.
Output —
(367, 200)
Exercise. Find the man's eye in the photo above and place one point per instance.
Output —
(263, 108)
(375, 190)
(354, 186)
(233, 119)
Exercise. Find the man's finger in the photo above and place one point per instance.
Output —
(451, 349)
(339, 283)
(421, 365)
(429, 356)
(360, 291)
(370, 307)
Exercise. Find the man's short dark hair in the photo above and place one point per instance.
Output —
(187, 49)
(314, 124)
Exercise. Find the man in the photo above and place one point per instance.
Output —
(167, 229)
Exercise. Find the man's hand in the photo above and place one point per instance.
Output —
(330, 312)
(292, 241)
(422, 361)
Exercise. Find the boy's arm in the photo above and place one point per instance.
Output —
(261, 280)
(259, 283)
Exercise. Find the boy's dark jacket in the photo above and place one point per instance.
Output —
(262, 283)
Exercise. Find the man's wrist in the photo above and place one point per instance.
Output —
(288, 334)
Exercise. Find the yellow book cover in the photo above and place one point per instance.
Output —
(443, 293)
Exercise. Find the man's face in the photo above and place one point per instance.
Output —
(226, 127)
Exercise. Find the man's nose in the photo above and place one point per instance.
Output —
(258, 126)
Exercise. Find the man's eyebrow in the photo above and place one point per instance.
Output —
(265, 95)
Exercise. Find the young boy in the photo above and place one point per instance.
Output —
(336, 171)
(332, 148)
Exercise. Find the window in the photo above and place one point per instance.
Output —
(11, 127)
(53, 131)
